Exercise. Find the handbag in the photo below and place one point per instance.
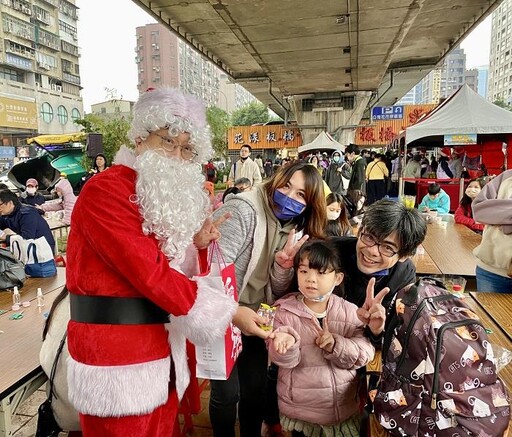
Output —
(47, 426)
(36, 254)
(12, 271)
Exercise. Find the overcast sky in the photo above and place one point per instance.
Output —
(106, 35)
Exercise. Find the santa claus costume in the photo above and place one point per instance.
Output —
(128, 269)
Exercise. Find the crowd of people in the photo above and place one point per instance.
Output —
(138, 292)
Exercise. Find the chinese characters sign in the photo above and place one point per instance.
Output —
(18, 113)
(381, 132)
(461, 139)
(387, 112)
(264, 137)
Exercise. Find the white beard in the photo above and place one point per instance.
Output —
(172, 201)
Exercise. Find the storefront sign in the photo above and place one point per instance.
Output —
(264, 137)
(16, 113)
(459, 139)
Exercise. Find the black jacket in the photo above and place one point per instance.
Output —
(358, 178)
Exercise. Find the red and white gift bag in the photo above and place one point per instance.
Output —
(216, 360)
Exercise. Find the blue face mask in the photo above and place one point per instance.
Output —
(287, 208)
(336, 158)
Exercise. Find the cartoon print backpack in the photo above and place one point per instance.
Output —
(439, 376)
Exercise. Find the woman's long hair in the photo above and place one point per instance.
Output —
(314, 217)
(340, 227)
(466, 201)
(61, 296)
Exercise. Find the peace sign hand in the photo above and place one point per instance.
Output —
(372, 313)
(325, 339)
(286, 255)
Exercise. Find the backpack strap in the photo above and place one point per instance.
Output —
(54, 366)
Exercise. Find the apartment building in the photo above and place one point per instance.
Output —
(39, 69)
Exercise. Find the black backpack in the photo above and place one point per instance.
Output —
(12, 271)
(439, 374)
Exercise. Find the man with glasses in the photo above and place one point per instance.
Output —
(245, 167)
(129, 264)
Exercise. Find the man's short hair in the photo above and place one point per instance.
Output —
(434, 189)
(352, 148)
(8, 196)
(246, 145)
(242, 181)
(384, 217)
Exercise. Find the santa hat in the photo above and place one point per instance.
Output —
(168, 108)
(445, 151)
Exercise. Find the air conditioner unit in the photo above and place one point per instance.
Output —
(38, 85)
(54, 87)
(59, 88)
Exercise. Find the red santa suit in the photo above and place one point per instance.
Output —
(119, 375)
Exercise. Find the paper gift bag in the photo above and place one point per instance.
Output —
(216, 360)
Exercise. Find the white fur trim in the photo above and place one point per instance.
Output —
(116, 391)
(125, 156)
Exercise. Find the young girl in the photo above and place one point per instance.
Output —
(337, 220)
(318, 344)
(464, 213)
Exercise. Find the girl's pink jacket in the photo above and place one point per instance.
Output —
(316, 386)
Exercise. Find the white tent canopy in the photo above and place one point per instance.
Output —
(465, 112)
(322, 141)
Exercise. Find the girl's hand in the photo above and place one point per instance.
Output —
(249, 323)
(282, 342)
(286, 255)
(372, 313)
(209, 231)
(325, 339)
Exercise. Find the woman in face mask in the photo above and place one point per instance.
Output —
(464, 213)
(337, 217)
(267, 228)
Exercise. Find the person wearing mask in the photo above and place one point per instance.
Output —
(30, 196)
(376, 175)
(336, 172)
(66, 200)
(133, 267)
(261, 239)
(357, 185)
(443, 165)
(412, 171)
(435, 200)
(19, 219)
(245, 167)
(492, 207)
(464, 213)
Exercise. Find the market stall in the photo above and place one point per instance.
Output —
(323, 142)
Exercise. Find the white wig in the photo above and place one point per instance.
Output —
(168, 108)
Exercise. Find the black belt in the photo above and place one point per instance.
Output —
(106, 310)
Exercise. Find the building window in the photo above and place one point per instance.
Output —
(75, 114)
(62, 114)
(47, 112)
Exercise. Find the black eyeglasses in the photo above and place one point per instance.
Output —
(384, 248)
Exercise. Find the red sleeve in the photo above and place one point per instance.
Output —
(108, 221)
(462, 218)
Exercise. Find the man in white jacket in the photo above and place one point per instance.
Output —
(245, 167)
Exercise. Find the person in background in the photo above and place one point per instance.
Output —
(376, 174)
(313, 160)
(493, 207)
(261, 239)
(210, 171)
(357, 185)
(412, 170)
(100, 163)
(244, 167)
(267, 167)
(434, 164)
(337, 217)
(132, 268)
(464, 212)
(337, 170)
(456, 163)
(259, 163)
(20, 219)
(210, 189)
(30, 196)
(66, 202)
(443, 165)
(435, 200)
(318, 344)
(243, 184)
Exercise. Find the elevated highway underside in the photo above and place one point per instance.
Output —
(302, 57)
